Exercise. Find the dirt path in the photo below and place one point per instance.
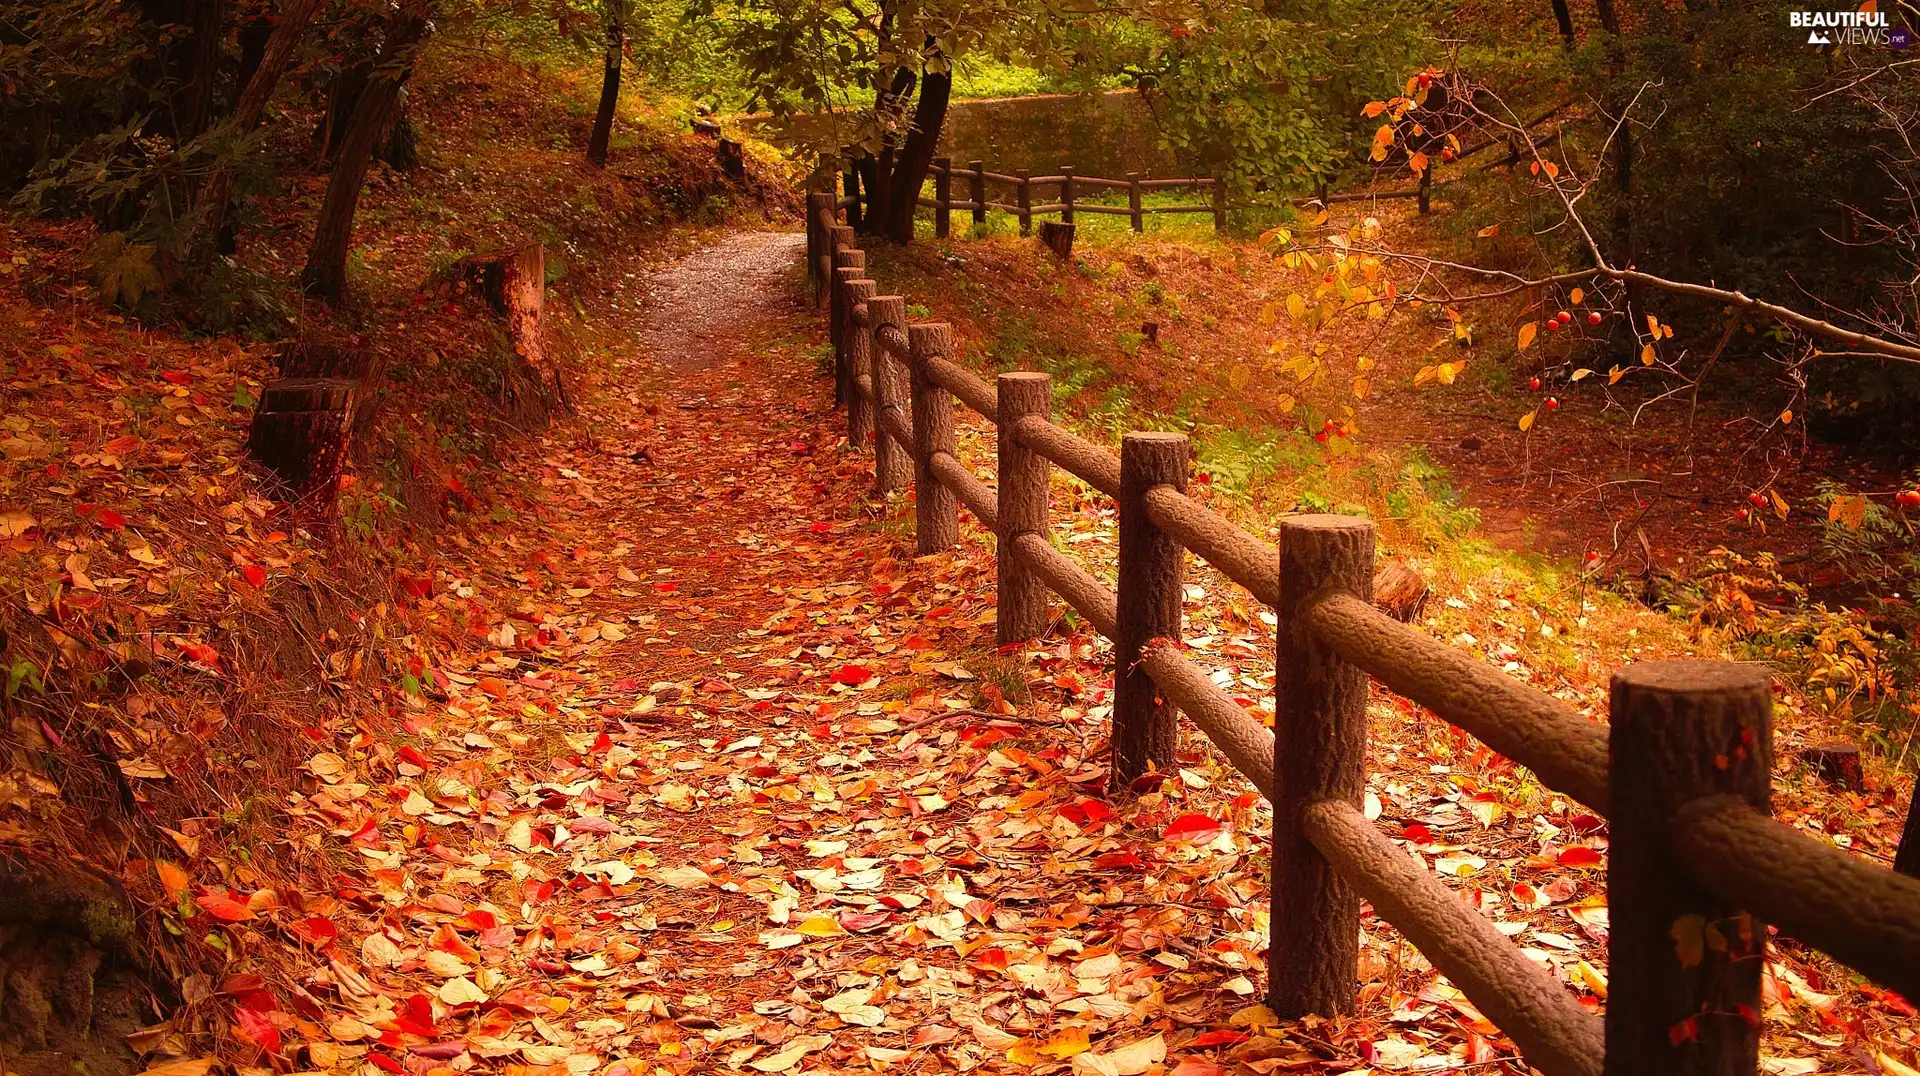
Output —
(716, 777)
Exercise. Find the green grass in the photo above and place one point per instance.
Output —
(1106, 228)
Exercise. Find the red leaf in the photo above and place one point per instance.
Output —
(1197, 828)
(851, 675)
(1417, 833)
(254, 574)
(1111, 861)
(1219, 1036)
(256, 1030)
(445, 940)
(861, 922)
(1196, 1066)
(177, 377)
(477, 919)
(1580, 856)
(317, 930)
(110, 519)
(223, 907)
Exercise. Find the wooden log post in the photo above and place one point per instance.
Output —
(1145, 727)
(1057, 236)
(977, 190)
(819, 211)
(1023, 197)
(838, 317)
(942, 196)
(1320, 745)
(1021, 595)
(299, 432)
(892, 461)
(1684, 966)
(1426, 190)
(936, 514)
(1139, 219)
(1219, 205)
(1066, 195)
(856, 289)
(1838, 764)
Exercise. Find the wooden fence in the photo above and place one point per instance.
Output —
(1697, 867)
(1068, 189)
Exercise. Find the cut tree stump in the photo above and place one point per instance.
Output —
(733, 158)
(1399, 591)
(1058, 237)
(514, 283)
(299, 433)
(1838, 764)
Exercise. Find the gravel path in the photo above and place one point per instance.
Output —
(715, 293)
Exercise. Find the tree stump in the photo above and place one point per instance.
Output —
(319, 358)
(299, 432)
(1058, 237)
(1838, 764)
(733, 158)
(514, 283)
(1399, 591)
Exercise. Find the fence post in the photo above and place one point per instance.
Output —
(942, 196)
(892, 461)
(1219, 205)
(1426, 190)
(1144, 724)
(977, 190)
(1025, 202)
(1684, 967)
(855, 290)
(936, 514)
(1319, 743)
(1022, 596)
(1133, 201)
(1066, 196)
(844, 256)
(845, 343)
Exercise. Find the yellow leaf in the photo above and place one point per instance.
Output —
(1253, 1016)
(1447, 371)
(1363, 365)
(1491, 229)
(1616, 374)
(1526, 420)
(1849, 512)
(1553, 169)
(1653, 325)
(1425, 375)
(1361, 388)
(1890, 1067)
(1239, 376)
(1374, 108)
(1647, 355)
(1287, 403)
(1786, 417)
(1067, 1043)
(1297, 306)
(821, 926)
(1577, 296)
(1578, 374)
(174, 877)
(1417, 162)
(1780, 507)
(1595, 979)
(1527, 332)
(1689, 933)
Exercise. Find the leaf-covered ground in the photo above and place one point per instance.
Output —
(711, 774)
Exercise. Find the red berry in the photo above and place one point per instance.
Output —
(1553, 325)
(1328, 278)
(1742, 515)
(1426, 81)
(1593, 317)
(1321, 437)
(1756, 500)
(1593, 555)
(1909, 497)
(1533, 383)
(1553, 404)
(1563, 318)
(1328, 425)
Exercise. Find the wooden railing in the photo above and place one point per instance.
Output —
(1068, 189)
(1697, 867)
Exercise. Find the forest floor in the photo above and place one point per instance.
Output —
(716, 775)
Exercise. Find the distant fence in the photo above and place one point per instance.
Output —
(1697, 867)
(1070, 192)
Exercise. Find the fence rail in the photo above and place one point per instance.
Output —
(1682, 772)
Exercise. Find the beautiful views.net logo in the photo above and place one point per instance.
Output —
(1866, 26)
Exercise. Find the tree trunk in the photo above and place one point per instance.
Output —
(609, 83)
(325, 274)
(910, 170)
(1907, 859)
(277, 53)
(876, 170)
(1564, 17)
